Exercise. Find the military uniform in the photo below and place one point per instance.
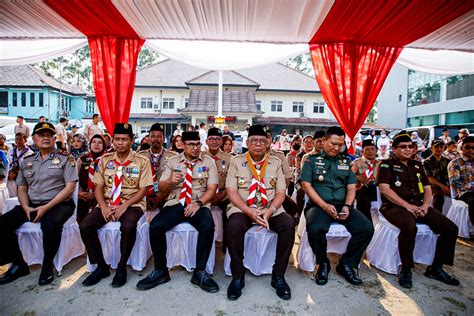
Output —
(136, 175)
(329, 177)
(437, 169)
(408, 180)
(204, 173)
(45, 179)
(366, 193)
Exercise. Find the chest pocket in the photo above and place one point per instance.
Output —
(29, 176)
(343, 171)
(243, 181)
(55, 170)
(200, 178)
(270, 183)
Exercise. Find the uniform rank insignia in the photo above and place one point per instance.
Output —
(110, 165)
(201, 182)
(71, 160)
(241, 181)
(417, 167)
(56, 161)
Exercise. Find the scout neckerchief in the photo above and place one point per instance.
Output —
(257, 181)
(92, 169)
(117, 184)
(369, 173)
(155, 164)
(16, 158)
(187, 188)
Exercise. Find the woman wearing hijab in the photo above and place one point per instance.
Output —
(79, 146)
(86, 167)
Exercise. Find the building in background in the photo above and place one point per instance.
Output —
(27, 91)
(410, 98)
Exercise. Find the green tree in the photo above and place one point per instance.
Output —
(147, 57)
(372, 117)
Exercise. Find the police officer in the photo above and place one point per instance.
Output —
(158, 157)
(191, 180)
(46, 182)
(406, 197)
(330, 185)
(256, 188)
(120, 184)
(364, 169)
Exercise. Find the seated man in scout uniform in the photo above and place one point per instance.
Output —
(256, 188)
(364, 169)
(222, 160)
(120, 184)
(158, 157)
(46, 182)
(191, 180)
(330, 184)
(406, 197)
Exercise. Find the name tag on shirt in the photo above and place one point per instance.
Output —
(343, 167)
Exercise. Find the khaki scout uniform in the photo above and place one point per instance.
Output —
(365, 193)
(136, 175)
(204, 174)
(167, 154)
(92, 129)
(284, 163)
(222, 164)
(239, 177)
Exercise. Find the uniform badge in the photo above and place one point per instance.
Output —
(241, 181)
(344, 161)
(56, 161)
(273, 183)
(110, 181)
(132, 182)
(110, 165)
(71, 160)
(222, 174)
(398, 183)
(86, 167)
(417, 167)
(321, 178)
(119, 168)
(201, 182)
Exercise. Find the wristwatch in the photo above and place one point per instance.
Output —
(199, 203)
(349, 206)
(273, 209)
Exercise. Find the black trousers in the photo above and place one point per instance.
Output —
(238, 225)
(317, 226)
(291, 188)
(83, 208)
(128, 227)
(169, 217)
(439, 224)
(51, 224)
(223, 206)
(364, 196)
(468, 198)
(290, 206)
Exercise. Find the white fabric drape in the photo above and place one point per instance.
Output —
(440, 62)
(21, 52)
(269, 21)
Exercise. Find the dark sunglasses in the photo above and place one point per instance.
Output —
(405, 146)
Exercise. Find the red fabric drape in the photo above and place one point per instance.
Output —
(114, 48)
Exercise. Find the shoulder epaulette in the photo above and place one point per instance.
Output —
(106, 155)
(30, 155)
(63, 152)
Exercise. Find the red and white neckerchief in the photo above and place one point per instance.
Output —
(92, 168)
(257, 181)
(155, 166)
(187, 188)
(369, 173)
(117, 184)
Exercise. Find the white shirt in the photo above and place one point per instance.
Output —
(244, 135)
(60, 130)
(203, 137)
(383, 141)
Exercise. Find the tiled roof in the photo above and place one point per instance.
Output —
(296, 120)
(234, 101)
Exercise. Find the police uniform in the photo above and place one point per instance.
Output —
(329, 177)
(204, 173)
(44, 178)
(136, 175)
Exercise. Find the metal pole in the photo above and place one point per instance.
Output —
(219, 99)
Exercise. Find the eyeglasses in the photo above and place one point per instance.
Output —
(405, 146)
(193, 145)
(257, 141)
(468, 147)
(214, 139)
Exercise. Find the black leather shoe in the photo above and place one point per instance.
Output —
(204, 281)
(441, 275)
(95, 277)
(15, 272)
(235, 288)
(323, 273)
(155, 278)
(348, 274)
(120, 277)
(404, 278)
(282, 288)
(46, 277)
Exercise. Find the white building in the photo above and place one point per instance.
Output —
(411, 98)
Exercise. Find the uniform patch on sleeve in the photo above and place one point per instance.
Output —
(384, 165)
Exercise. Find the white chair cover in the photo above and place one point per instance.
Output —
(446, 205)
(181, 243)
(109, 236)
(4, 195)
(458, 213)
(337, 237)
(218, 223)
(12, 188)
(259, 251)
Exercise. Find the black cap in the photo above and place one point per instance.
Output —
(20, 116)
(446, 130)
(123, 128)
(157, 127)
(257, 130)
(214, 131)
(368, 142)
(402, 136)
(319, 134)
(190, 136)
(437, 142)
(46, 126)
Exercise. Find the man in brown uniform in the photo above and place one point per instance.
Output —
(191, 181)
(406, 197)
(158, 157)
(256, 188)
(120, 184)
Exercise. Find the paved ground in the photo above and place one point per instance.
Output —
(380, 294)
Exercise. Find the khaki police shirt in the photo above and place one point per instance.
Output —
(25, 129)
(46, 178)
(222, 161)
(167, 154)
(204, 174)
(239, 177)
(284, 163)
(136, 175)
(92, 129)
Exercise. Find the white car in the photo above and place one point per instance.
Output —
(9, 132)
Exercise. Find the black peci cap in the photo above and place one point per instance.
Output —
(190, 136)
(214, 131)
(157, 127)
(257, 130)
(368, 142)
(123, 128)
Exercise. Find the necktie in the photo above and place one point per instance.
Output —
(257, 182)
(117, 184)
(187, 188)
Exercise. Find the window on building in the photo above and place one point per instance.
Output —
(186, 102)
(70, 105)
(277, 106)
(23, 99)
(258, 104)
(321, 109)
(41, 99)
(146, 103)
(399, 98)
(168, 103)
(298, 106)
(32, 99)
(15, 99)
(318, 107)
(145, 129)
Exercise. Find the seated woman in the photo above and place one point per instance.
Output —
(79, 146)
(86, 167)
(227, 145)
(177, 144)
